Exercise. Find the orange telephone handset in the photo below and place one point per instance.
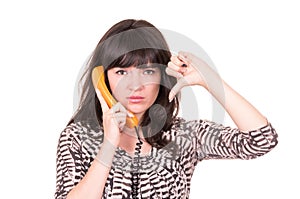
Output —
(99, 82)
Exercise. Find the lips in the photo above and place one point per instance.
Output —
(135, 99)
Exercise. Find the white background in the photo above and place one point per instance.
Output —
(43, 45)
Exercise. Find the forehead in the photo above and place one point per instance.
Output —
(140, 66)
(140, 58)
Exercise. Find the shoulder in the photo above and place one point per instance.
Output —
(186, 129)
(79, 132)
(181, 123)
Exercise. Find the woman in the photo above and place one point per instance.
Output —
(99, 156)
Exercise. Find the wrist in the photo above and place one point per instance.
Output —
(112, 141)
(106, 153)
(212, 82)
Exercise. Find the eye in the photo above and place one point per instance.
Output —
(121, 72)
(149, 71)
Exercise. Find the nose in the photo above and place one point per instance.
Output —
(136, 83)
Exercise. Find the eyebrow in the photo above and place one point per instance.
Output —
(148, 66)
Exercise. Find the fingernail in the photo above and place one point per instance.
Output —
(183, 65)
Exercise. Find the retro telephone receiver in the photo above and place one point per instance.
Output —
(99, 82)
(98, 79)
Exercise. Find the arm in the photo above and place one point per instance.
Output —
(75, 178)
(244, 115)
(197, 72)
(93, 183)
(254, 135)
(215, 141)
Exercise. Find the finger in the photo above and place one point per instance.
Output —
(185, 57)
(178, 86)
(176, 60)
(103, 103)
(120, 119)
(118, 107)
(194, 61)
(173, 66)
(176, 68)
(173, 73)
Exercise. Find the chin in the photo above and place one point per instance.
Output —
(137, 110)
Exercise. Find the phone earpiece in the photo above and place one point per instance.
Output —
(99, 82)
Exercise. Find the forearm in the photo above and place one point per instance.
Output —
(92, 184)
(243, 113)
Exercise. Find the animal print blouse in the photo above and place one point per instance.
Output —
(165, 172)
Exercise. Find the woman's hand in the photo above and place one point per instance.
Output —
(190, 70)
(198, 72)
(114, 120)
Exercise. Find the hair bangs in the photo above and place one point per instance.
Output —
(139, 58)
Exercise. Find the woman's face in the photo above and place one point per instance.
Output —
(135, 88)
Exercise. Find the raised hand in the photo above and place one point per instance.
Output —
(189, 70)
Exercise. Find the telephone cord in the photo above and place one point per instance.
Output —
(136, 165)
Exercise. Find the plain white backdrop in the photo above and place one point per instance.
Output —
(43, 45)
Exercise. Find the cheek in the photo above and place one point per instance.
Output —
(114, 81)
(154, 87)
(118, 90)
(115, 87)
(154, 90)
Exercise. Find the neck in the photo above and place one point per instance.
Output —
(132, 134)
(129, 141)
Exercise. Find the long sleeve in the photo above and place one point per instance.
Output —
(69, 168)
(215, 141)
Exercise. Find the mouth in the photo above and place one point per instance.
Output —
(135, 99)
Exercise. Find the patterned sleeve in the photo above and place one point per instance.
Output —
(215, 141)
(69, 169)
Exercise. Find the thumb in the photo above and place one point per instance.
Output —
(178, 86)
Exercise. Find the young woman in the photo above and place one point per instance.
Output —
(99, 156)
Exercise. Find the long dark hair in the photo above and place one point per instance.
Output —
(127, 43)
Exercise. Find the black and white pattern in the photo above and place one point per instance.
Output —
(164, 173)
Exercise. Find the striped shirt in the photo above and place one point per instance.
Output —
(165, 172)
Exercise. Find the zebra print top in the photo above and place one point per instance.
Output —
(165, 172)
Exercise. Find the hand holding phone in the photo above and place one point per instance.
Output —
(99, 83)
